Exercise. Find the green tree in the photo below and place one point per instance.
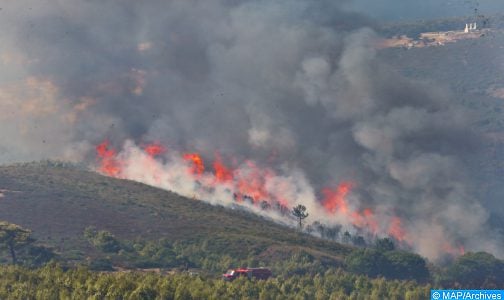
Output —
(367, 261)
(102, 240)
(13, 238)
(477, 269)
(300, 213)
(391, 264)
(37, 255)
(406, 265)
(384, 245)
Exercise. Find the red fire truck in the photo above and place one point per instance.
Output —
(259, 273)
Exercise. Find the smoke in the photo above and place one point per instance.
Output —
(293, 86)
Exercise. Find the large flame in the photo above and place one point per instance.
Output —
(198, 167)
(336, 202)
(222, 173)
(249, 184)
(109, 165)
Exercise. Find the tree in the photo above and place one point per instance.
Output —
(390, 264)
(38, 255)
(367, 261)
(406, 265)
(300, 213)
(384, 245)
(13, 238)
(476, 269)
(102, 240)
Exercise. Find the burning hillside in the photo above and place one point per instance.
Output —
(245, 183)
(267, 104)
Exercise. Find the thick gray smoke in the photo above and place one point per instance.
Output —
(297, 80)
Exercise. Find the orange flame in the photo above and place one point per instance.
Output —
(396, 230)
(154, 149)
(222, 173)
(198, 166)
(335, 201)
(109, 165)
(252, 183)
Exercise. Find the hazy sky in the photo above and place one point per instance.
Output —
(426, 9)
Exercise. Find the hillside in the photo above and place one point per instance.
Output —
(59, 203)
(106, 224)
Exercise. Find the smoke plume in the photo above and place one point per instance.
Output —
(254, 102)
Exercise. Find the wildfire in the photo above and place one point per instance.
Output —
(198, 167)
(335, 201)
(396, 230)
(251, 182)
(222, 173)
(154, 149)
(366, 219)
(248, 182)
(109, 165)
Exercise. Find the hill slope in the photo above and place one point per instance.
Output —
(58, 203)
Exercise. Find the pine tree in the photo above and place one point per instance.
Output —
(14, 237)
(300, 213)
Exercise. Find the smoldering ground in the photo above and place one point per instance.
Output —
(294, 85)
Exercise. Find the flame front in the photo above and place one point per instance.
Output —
(246, 183)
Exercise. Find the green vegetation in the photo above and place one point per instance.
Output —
(19, 244)
(52, 282)
(102, 240)
(479, 269)
(384, 260)
(14, 238)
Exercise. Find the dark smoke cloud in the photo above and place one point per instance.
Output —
(248, 78)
